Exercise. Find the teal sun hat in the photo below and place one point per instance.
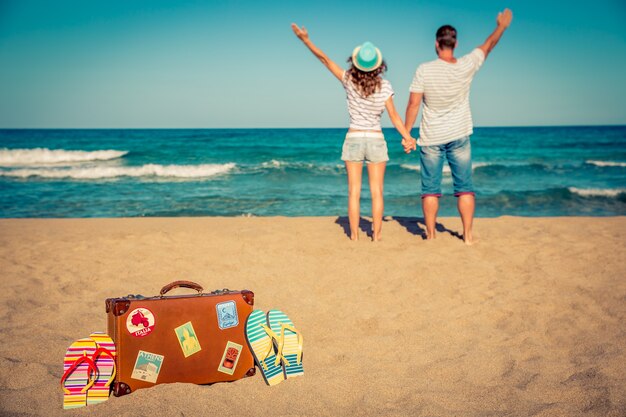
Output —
(367, 57)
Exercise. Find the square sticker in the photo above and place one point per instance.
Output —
(147, 366)
(230, 358)
(187, 339)
(227, 315)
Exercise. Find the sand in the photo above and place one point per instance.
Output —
(529, 322)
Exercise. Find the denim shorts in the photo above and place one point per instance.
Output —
(364, 146)
(459, 155)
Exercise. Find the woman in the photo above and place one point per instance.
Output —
(368, 95)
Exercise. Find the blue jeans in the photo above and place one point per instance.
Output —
(459, 155)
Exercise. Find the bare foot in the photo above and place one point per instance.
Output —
(354, 238)
(376, 238)
(469, 241)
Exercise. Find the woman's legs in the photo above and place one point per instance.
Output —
(355, 172)
(376, 174)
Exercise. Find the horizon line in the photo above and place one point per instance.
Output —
(289, 128)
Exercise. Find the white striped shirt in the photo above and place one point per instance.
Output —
(446, 115)
(365, 111)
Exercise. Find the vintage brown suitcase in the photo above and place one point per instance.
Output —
(198, 338)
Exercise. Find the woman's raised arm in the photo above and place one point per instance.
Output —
(328, 63)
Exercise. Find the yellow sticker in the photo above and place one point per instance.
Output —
(187, 339)
(231, 355)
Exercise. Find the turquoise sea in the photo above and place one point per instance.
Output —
(540, 171)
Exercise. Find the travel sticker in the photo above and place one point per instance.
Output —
(187, 339)
(230, 358)
(147, 366)
(227, 315)
(140, 322)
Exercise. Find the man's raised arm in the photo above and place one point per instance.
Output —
(503, 21)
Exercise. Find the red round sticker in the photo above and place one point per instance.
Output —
(140, 322)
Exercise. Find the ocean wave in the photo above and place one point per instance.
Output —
(149, 170)
(277, 164)
(44, 156)
(606, 163)
(411, 167)
(597, 192)
(446, 168)
(273, 164)
(481, 164)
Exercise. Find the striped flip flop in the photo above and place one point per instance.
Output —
(290, 340)
(104, 359)
(259, 338)
(78, 373)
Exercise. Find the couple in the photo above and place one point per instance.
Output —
(443, 85)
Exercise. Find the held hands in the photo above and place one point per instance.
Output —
(300, 32)
(504, 18)
(409, 144)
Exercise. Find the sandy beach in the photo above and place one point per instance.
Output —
(529, 322)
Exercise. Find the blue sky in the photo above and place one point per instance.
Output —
(152, 63)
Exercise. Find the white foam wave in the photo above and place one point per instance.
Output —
(446, 168)
(606, 163)
(273, 164)
(410, 167)
(480, 164)
(276, 164)
(44, 156)
(597, 192)
(149, 170)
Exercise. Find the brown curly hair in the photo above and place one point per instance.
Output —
(366, 83)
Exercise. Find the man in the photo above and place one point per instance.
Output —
(443, 85)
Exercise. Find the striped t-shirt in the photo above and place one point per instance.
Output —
(446, 115)
(365, 111)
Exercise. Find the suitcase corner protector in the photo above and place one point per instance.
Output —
(120, 388)
(117, 306)
(248, 296)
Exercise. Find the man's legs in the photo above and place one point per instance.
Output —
(430, 207)
(466, 204)
(431, 166)
(459, 155)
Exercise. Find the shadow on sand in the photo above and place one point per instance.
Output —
(414, 225)
(365, 225)
(417, 226)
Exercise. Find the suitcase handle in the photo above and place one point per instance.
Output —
(184, 284)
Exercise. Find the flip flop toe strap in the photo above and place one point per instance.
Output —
(270, 349)
(104, 351)
(281, 343)
(92, 369)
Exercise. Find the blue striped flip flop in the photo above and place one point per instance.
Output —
(289, 342)
(259, 338)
